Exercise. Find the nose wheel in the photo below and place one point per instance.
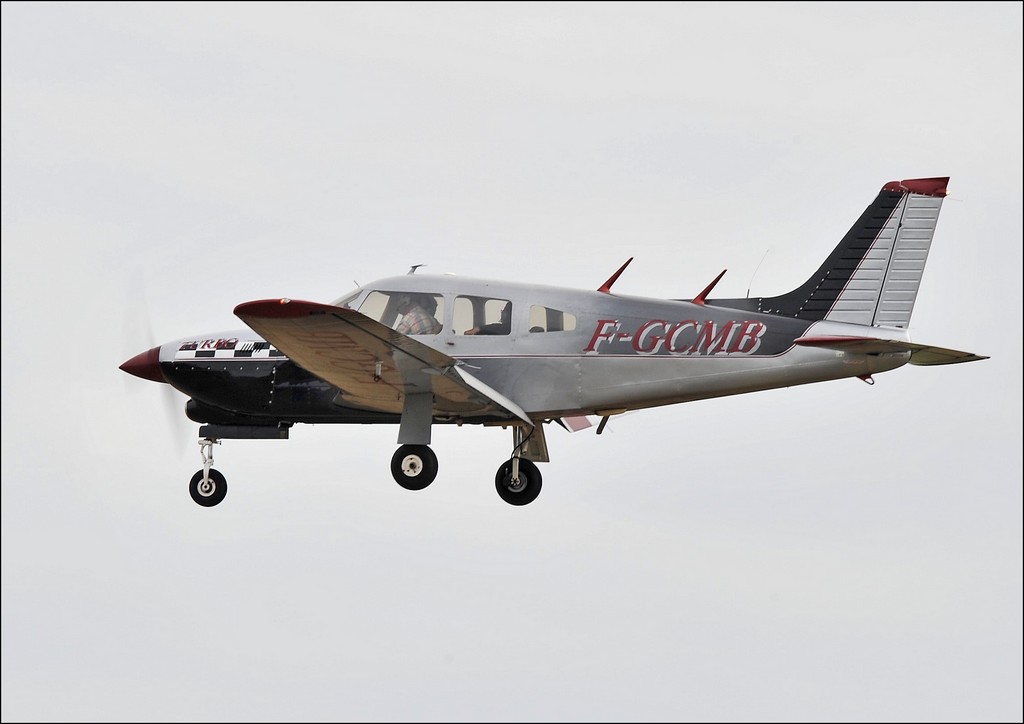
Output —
(208, 486)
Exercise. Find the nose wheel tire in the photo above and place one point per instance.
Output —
(414, 467)
(522, 491)
(208, 493)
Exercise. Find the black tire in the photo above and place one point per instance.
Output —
(529, 483)
(414, 467)
(211, 494)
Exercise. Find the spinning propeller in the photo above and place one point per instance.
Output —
(138, 327)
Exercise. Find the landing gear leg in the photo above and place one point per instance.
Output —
(518, 481)
(208, 487)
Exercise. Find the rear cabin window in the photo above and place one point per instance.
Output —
(544, 319)
(481, 316)
(405, 312)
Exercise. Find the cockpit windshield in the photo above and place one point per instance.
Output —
(346, 301)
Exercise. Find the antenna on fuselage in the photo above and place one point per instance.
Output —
(699, 299)
(751, 283)
(413, 268)
(607, 286)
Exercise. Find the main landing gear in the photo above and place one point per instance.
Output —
(414, 467)
(208, 487)
(518, 481)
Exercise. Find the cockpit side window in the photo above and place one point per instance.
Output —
(544, 319)
(405, 312)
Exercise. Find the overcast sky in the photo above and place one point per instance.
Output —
(829, 552)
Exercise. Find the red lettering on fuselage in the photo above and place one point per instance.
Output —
(748, 339)
(708, 342)
(605, 331)
(675, 332)
(687, 337)
(647, 340)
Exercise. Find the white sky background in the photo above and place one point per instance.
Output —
(829, 552)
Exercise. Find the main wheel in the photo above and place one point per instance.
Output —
(208, 494)
(414, 467)
(525, 490)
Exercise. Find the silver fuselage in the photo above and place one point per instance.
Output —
(623, 352)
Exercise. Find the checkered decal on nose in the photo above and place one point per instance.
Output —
(227, 349)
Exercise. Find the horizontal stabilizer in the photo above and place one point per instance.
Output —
(920, 354)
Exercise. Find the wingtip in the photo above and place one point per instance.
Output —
(281, 307)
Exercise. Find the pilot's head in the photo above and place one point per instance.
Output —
(427, 302)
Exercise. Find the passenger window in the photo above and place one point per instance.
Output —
(482, 315)
(543, 319)
(405, 312)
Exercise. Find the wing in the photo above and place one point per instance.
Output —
(374, 366)
(920, 354)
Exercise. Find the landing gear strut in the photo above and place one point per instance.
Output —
(208, 487)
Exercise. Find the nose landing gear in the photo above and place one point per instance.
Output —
(208, 487)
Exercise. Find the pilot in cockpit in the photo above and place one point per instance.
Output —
(416, 315)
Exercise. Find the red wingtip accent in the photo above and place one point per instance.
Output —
(607, 286)
(699, 299)
(924, 186)
(281, 308)
(145, 365)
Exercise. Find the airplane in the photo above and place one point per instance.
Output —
(419, 350)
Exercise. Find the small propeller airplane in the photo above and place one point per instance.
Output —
(419, 350)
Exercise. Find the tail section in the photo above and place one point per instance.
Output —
(872, 277)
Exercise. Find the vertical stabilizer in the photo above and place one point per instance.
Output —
(873, 275)
(883, 287)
